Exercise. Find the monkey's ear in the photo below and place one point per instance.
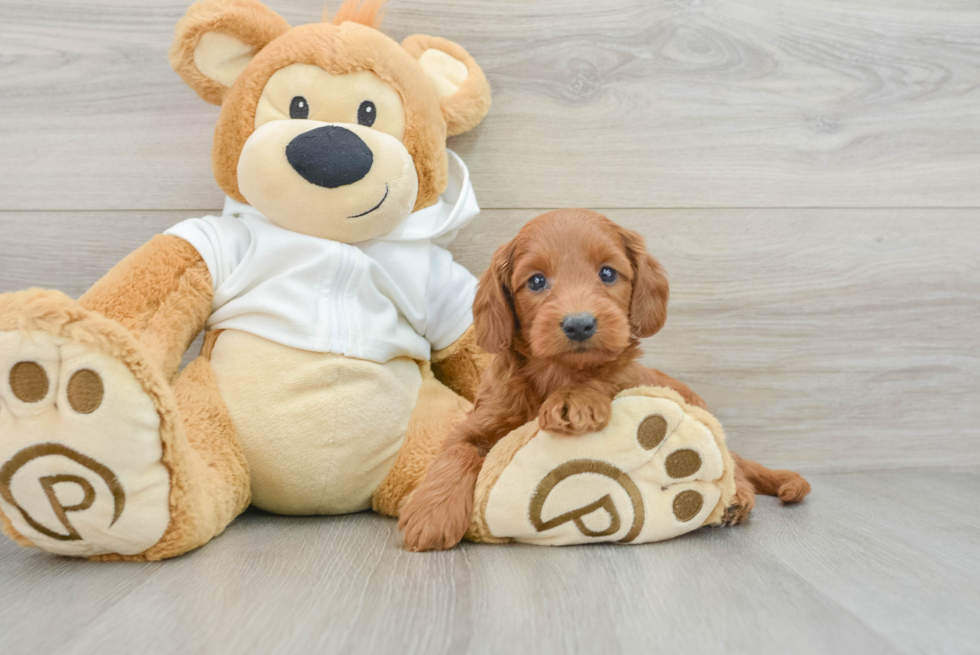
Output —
(216, 39)
(464, 93)
(494, 320)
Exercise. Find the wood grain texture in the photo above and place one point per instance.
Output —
(911, 535)
(883, 562)
(822, 339)
(622, 103)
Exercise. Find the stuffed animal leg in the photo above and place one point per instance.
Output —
(658, 470)
(102, 452)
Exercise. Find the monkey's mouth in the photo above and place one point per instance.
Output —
(375, 207)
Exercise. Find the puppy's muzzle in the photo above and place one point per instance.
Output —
(579, 327)
(330, 156)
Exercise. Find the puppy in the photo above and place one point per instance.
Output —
(562, 306)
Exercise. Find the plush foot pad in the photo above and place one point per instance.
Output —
(659, 470)
(80, 449)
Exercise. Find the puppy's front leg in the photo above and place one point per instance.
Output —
(438, 514)
(576, 410)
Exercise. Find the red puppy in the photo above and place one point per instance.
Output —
(563, 306)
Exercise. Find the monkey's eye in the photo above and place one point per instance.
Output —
(299, 108)
(537, 282)
(608, 275)
(367, 113)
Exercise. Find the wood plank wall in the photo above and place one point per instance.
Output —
(808, 171)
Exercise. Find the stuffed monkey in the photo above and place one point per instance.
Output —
(325, 288)
(338, 351)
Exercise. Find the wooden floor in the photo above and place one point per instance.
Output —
(881, 562)
(808, 171)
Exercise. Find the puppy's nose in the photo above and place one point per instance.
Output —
(330, 156)
(579, 327)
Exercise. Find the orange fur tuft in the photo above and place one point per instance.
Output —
(365, 12)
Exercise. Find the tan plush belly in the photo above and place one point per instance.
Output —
(320, 431)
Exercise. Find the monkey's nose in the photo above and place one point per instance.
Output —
(579, 327)
(330, 156)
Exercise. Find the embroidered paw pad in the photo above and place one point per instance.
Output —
(656, 471)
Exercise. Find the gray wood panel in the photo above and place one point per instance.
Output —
(607, 104)
(911, 537)
(882, 562)
(830, 340)
(823, 339)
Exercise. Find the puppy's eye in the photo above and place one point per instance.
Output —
(537, 282)
(608, 275)
(367, 113)
(299, 108)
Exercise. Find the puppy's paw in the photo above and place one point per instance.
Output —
(741, 506)
(433, 521)
(574, 413)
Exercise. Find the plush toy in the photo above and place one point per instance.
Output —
(339, 349)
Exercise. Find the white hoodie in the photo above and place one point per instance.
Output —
(398, 295)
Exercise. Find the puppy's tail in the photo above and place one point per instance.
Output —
(788, 486)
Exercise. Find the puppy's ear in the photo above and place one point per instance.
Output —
(648, 305)
(494, 318)
(463, 90)
(216, 39)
